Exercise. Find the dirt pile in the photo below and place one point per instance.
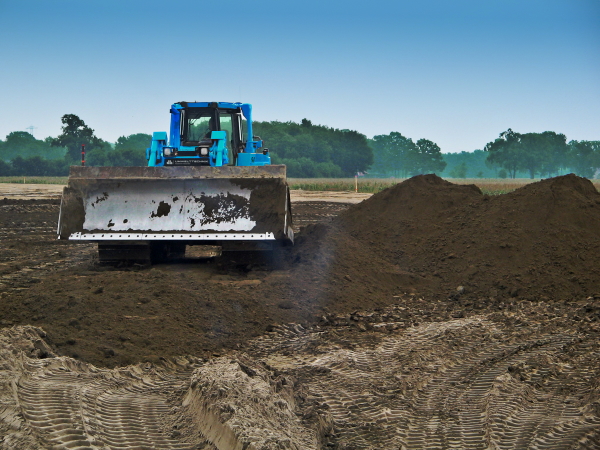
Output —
(434, 237)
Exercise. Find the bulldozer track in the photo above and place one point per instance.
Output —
(306, 213)
(30, 250)
(460, 384)
(445, 385)
(75, 406)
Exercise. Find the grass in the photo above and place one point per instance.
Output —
(370, 185)
(34, 180)
(490, 186)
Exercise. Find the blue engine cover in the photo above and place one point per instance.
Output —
(253, 159)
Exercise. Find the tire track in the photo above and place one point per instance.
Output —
(463, 384)
(75, 406)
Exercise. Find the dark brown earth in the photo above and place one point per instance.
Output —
(428, 235)
(428, 317)
(447, 251)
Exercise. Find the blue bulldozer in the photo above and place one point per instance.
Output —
(210, 182)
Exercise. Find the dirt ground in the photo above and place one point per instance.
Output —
(426, 316)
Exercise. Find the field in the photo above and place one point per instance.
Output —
(490, 186)
(427, 316)
(34, 180)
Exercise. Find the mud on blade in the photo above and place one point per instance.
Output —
(147, 203)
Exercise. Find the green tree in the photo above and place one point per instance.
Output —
(474, 162)
(459, 171)
(535, 153)
(127, 157)
(139, 142)
(311, 150)
(584, 157)
(5, 169)
(22, 143)
(555, 152)
(38, 166)
(506, 152)
(76, 133)
(426, 157)
(542, 153)
(392, 153)
(97, 157)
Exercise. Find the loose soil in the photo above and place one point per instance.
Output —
(420, 299)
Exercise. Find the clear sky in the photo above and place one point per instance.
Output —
(457, 72)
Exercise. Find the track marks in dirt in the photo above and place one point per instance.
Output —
(67, 404)
(306, 213)
(481, 382)
(29, 249)
(464, 384)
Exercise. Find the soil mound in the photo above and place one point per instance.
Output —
(429, 235)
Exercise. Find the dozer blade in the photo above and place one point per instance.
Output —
(189, 204)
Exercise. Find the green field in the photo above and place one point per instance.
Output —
(34, 180)
(491, 186)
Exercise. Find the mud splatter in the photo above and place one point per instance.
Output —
(163, 210)
(104, 197)
(223, 208)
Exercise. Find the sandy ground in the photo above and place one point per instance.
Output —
(346, 352)
(50, 191)
(30, 191)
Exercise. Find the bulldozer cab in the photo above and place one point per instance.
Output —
(197, 124)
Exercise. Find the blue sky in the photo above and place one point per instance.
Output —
(456, 72)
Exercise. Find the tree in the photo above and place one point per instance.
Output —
(22, 143)
(97, 157)
(463, 164)
(460, 171)
(506, 152)
(391, 153)
(139, 141)
(5, 169)
(584, 157)
(127, 157)
(543, 153)
(76, 133)
(314, 150)
(38, 166)
(555, 152)
(426, 157)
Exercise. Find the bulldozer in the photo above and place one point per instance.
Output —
(209, 182)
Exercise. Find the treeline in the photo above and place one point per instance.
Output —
(543, 154)
(318, 151)
(23, 154)
(398, 156)
(315, 150)
(511, 155)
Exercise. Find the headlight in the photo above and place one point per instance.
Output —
(204, 151)
(167, 152)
